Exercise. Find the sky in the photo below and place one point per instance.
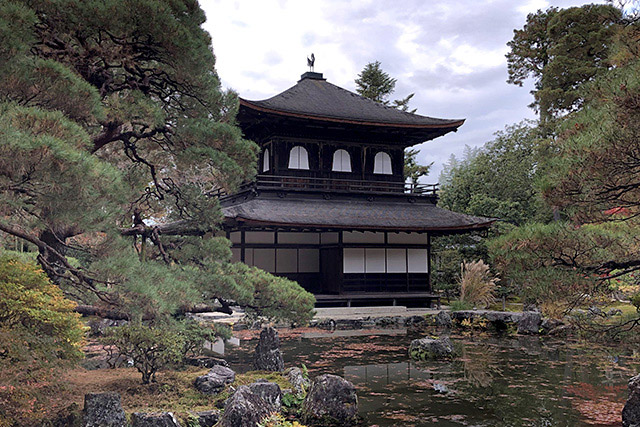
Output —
(450, 53)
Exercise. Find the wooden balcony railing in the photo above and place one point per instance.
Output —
(297, 183)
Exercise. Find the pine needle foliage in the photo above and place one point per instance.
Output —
(114, 130)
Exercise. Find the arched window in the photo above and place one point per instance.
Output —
(265, 160)
(341, 161)
(299, 158)
(382, 163)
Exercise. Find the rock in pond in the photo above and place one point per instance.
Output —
(631, 410)
(429, 348)
(267, 356)
(331, 400)
(297, 380)
(443, 319)
(530, 323)
(159, 419)
(208, 418)
(215, 380)
(103, 410)
(250, 404)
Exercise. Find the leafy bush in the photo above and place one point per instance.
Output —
(39, 334)
(194, 335)
(477, 287)
(150, 348)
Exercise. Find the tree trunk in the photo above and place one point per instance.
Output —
(52, 265)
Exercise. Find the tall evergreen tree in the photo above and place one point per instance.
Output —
(377, 85)
(113, 123)
(374, 83)
(561, 50)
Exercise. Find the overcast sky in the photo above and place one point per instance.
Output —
(450, 53)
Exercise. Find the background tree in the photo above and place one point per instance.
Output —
(113, 130)
(561, 50)
(413, 170)
(499, 179)
(374, 83)
(592, 177)
(377, 85)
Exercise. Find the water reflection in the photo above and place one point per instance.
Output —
(480, 365)
(492, 381)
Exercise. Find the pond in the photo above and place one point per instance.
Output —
(493, 381)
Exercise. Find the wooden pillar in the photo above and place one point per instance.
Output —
(429, 262)
(341, 266)
(242, 246)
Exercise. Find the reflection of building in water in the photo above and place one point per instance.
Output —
(388, 386)
(380, 376)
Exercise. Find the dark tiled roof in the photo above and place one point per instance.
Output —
(314, 97)
(352, 214)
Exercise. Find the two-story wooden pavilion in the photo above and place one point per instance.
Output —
(330, 207)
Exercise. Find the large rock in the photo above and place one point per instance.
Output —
(160, 419)
(269, 392)
(103, 410)
(205, 361)
(429, 348)
(631, 410)
(297, 380)
(250, 404)
(331, 400)
(208, 418)
(215, 380)
(267, 356)
(529, 323)
(443, 319)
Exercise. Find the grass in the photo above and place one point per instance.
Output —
(173, 391)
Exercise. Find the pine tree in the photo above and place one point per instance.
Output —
(561, 50)
(113, 124)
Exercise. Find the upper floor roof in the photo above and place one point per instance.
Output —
(317, 101)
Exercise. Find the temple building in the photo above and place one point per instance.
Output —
(330, 207)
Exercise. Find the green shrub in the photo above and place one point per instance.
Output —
(150, 348)
(194, 335)
(39, 334)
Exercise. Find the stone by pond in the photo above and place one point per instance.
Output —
(493, 380)
(250, 404)
(214, 381)
(631, 411)
(103, 410)
(331, 400)
(431, 348)
(267, 356)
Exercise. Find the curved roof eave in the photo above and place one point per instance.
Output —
(462, 228)
(453, 125)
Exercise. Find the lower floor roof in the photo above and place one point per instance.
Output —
(355, 214)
